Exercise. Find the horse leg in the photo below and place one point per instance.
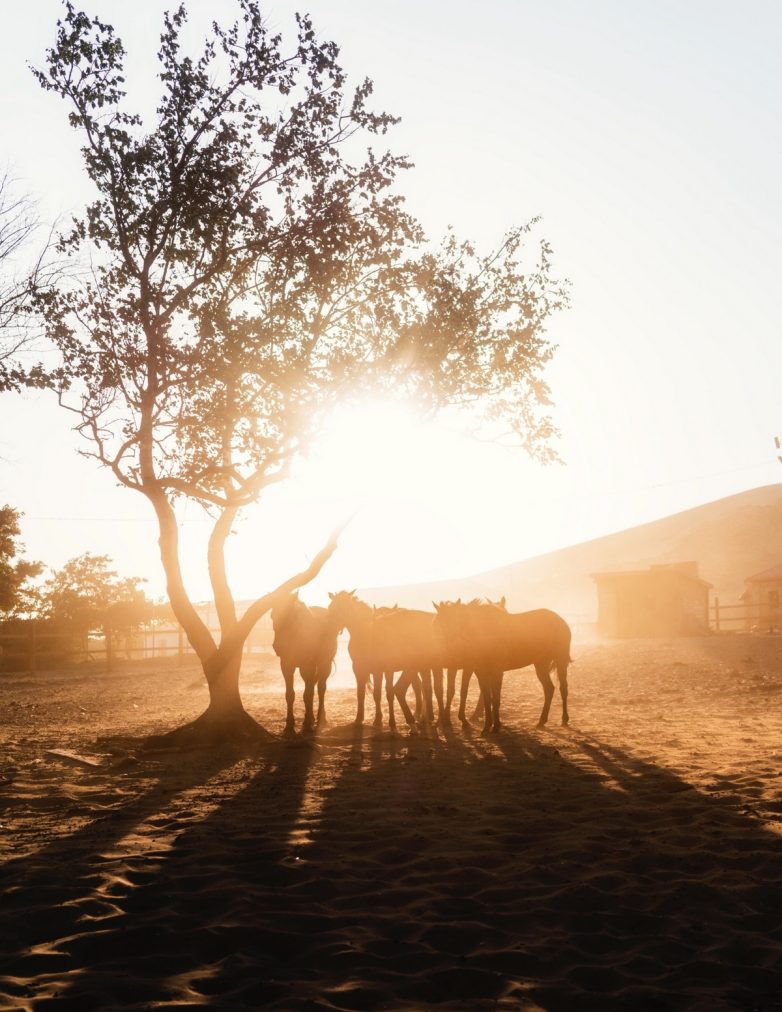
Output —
(361, 690)
(419, 699)
(426, 679)
(390, 699)
(542, 671)
(310, 677)
(480, 708)
(485, 682)
(443, 715)
(322, 678)
(496, 695)
(450, 692)
(466, 676)
(399, 691)
(377, 689)
(562, 678)
(290, 695)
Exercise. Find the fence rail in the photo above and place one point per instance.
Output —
(30, 648)
(744, 616)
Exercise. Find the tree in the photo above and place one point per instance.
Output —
(19, 283)
(87, 595)
(14, 575)
(251, 265)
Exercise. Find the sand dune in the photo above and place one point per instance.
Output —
(631, 862)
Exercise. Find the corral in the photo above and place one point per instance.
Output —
(630, 861)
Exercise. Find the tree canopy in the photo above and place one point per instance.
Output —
(26, 272)
(15, 572)
(251, 264)
(86, 594)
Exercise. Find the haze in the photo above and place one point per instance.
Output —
(645, 135)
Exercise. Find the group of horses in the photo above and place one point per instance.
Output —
(481, 638)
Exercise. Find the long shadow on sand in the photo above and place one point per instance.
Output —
(414, 873)
(66, 901)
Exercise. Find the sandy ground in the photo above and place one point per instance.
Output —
(633, 861)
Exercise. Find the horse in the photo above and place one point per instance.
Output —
(467, 674)
(304, 638)
(488, 640)
(384, 641)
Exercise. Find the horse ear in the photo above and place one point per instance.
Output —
(436, 607)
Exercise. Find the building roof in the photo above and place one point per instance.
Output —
(775, 573)
(686, 571)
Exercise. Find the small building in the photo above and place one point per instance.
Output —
(763, 599)
(664, 600)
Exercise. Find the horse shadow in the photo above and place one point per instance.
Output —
(448, 871)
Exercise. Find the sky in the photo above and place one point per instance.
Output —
(646, 135)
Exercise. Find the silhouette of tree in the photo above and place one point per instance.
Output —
(251, 264)
(19, 282)
(86, 588)
(87, 595)
(14, 572)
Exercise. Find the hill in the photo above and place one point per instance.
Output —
(730, 539)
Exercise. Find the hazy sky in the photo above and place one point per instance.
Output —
(645, 133)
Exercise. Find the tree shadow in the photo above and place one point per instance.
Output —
(59, 901)
(444, 871)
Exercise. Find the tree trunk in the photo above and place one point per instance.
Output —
(226, 712)
(225, 718)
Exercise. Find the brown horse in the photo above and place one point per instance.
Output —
(490, 641)
(406, 641)
(304, 638)
(348, 612)
(467, 674)
(384, 641)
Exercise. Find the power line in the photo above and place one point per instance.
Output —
(112, 520)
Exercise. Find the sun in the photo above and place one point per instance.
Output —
(374, 451)
(425, 501)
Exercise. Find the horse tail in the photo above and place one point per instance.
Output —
(562, 661)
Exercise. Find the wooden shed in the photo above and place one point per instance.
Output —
(763, 598)
(664, 600)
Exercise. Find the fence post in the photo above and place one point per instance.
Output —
(31, 658)
(716, 614)
(107, 634)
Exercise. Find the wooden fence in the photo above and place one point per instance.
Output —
(744, 617)
(33, 647)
